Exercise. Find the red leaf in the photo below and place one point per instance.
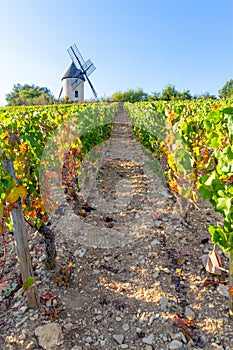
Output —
(48, 296)
(2, 285)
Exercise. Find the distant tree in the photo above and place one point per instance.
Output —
(29, 95)
(227, 90)
(169, 93)
(205, 96)
(155, 96)
(130, 96)
(185, 95)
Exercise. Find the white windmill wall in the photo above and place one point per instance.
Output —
(70, 93)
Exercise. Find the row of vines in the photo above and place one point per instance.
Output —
(196, 138)
(24, 134)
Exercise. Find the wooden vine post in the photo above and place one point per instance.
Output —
(21, 243)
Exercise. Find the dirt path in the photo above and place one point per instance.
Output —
(137, 263)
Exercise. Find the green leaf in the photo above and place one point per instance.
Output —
(228, 110)
(210, 179)
(205, 193)
(224, 205)
(219, 237)
(28, 283)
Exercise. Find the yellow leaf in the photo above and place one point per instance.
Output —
(15, 193)
(13, 196)
(22, 191)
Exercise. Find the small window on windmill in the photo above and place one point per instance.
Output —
(76, 94)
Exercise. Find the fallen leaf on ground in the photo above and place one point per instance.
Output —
(179, 322)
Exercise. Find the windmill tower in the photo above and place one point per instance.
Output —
(73, 84)
(74, 78)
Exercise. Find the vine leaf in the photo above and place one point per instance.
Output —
(16, 193)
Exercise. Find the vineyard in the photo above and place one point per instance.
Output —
(43, 151)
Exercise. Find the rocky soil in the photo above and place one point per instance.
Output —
(129, 267)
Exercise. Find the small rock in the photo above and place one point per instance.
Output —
(206, 251)
(148, 340)
(202, 341)
(68, 326)
(118, 338)
(124, 346)
(156, 274)
(99, 317)
(223, 290)
(155, 242)
(140, 333)
(157, 283)
(18, 294)
(148, 347)
(49, 335)
(89, 340)
(163, 303)
(42, 258)
(180, 336)
(80, 253)
(118, 319)
(23, 309)
(22, 336)
(158, 223)
(30, 346)
(125, 326)
(152, 318)
(166, 270)
(189, 313)
(76, 347)
(175, 344)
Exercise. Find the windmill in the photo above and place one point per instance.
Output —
(75, 76)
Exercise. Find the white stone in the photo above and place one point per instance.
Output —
(49, 335)
(118, 338)
(125, 326)
(42, 257)
(30, 346)
(223, 290)
(89, 340)
(151, 320)
(175, 344)
(80, 253)
(163, 303)
(189, 313)
(157, 283)
(155, 242)
(180, 336)
(68, 326)
(148, 347)
(148, 340)
(99, 317)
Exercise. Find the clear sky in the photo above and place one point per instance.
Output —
(134, 44)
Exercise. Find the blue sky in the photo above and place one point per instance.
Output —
(134, 44)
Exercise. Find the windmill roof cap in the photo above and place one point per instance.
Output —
(73, 72)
